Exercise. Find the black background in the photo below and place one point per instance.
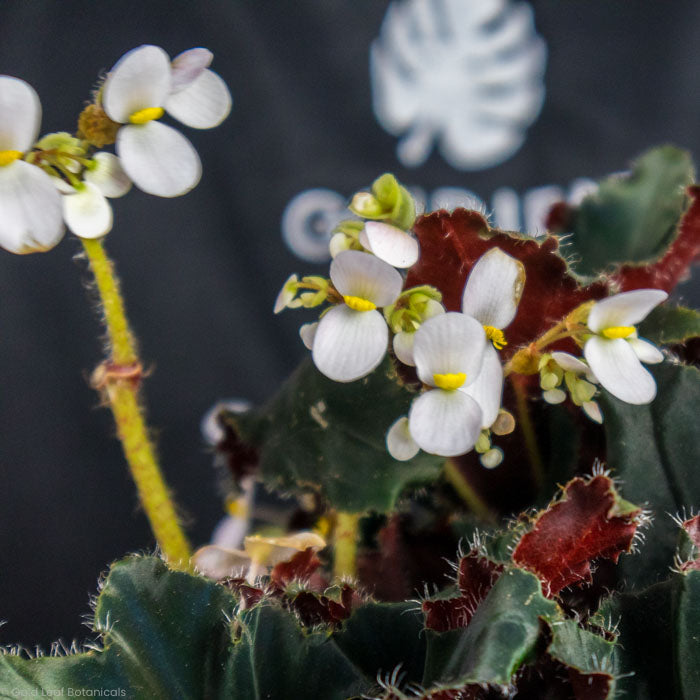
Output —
(201, 272)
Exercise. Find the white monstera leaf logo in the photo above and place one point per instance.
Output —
(465, 73)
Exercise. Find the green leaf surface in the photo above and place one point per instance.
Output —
(632, 218)
(325, 435)
(654, 450)
(579, 648)
(687, 633)
(499, 638)
(670, 324)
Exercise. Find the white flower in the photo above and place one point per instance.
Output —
(491, 295)
(390, 244)
(399, 443)
(30, 205)
(403, 340)
(85, 208)
(351, 338)
(614, 351)
(448, 350)
(139, 88)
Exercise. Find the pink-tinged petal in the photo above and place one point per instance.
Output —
(399, 443)
(188, 66)
(219, 563)
(450, 343)
(20, 114)
(158, 159)
(87, 213)
(31, 215)
(487, 389)
(624, 309)
(108, 175)
(618, 369)
(349, 344)
(140, 79)
(592, 410)
(390, 244)
(203, 104)
(445, 423)
(362, 275)
(494, 288)
(646, 351)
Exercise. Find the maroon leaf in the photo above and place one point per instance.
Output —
(589, 522)
(692, 530)
(674, 265)
(299, 568)
(452, 242)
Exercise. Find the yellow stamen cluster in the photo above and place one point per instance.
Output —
(449, 382)
(495, 335)
(143, 116)
(618, 332)
(358, 303)
(7, 157)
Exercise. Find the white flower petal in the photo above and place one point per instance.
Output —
(646, 351)
(159, 159)
(624, 309)
(209, 426)
(449, 344)
(187, 66)
(202, 104)
(349, 344)
(445, 423)
(217, 562)
(494, 288)
(432, 308)
(307, 333)
(286, 294)
(363, 275)
(139, 79)
(31, 217)
(20, 114)
(491, 458)
(487, 389)
(338, 243)
(390, 243)
(570, 363)
(403, 347)
(108, 175)
(87, 213)
(399, 443)
(592, 410)
(618, 369)
(554, 396)
(230, 531)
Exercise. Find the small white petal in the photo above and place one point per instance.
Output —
(449, 344)
(403, 347)
(390, 244)
(217, 562)
(592, 410)
(338, 243)
(624, 309)
(349, 344)
(187, 66)
(619, 371)
(646, 351)
(159, 159)
(87, 213)
(31, 216)
(487, 389)
(570, 363)
(203, 104)
(139, 79)
(494, 288)
(365, 276)
(307, 333)
(108, 175)
(432, 308)
(20, 114)
(286, 294)
(492, 458)
(399, 442)
(230, 531)
(209, 426)
(62, 186)
(554, 396)
(445, 423)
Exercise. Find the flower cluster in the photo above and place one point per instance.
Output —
(60, 179)
(456, 355)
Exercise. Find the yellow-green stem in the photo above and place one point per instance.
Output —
(466, 492)
(528, 430)
(121, 390)
(346, 536)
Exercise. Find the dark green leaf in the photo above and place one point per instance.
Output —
(655, 451)
(687, 632)
(320, 434)
(499, 638)
(670, 324)
(579, 648)
(633, 218)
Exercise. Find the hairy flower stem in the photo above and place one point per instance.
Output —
(466, 492)
(525, 423)
(118, 378)
(345, 550)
